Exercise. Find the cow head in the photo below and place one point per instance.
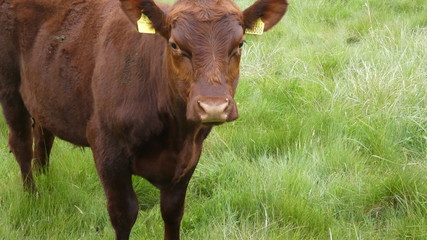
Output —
(204, 45)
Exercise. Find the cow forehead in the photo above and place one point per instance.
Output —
(226, 27)
(218, 21)
(203, 10)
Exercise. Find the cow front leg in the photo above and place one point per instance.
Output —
(115, 174)
(172, 201)
(122, 203)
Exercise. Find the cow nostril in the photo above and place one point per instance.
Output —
(213, 107)
(214, 111)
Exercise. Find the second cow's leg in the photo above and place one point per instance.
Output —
(20, 140)
(43, 141)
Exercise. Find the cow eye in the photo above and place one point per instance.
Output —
(174, 46)
(242, 43)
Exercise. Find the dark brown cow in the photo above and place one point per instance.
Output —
(143, 103)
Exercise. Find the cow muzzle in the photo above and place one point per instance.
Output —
(214, 110)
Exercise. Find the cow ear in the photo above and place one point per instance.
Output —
(270, 12)
(134, 9)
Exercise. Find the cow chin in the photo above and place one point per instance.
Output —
(212, 111)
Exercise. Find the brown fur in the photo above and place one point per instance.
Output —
(84, 74)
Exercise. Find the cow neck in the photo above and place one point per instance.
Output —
(172, 102)
(174, 130)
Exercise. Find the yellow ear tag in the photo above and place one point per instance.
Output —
(257, 29)
(145, 25)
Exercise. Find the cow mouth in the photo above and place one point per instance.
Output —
(215, 120)
(212, 124)
(217, 117)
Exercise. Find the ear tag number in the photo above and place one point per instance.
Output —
(145, 25)
(257, 29)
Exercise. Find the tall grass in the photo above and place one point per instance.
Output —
(331, 142)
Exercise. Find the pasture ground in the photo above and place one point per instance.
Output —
(331, 142)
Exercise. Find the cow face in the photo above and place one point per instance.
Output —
(204, 46)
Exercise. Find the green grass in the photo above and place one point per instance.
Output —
(331, 142)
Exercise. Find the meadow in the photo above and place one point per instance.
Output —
(331, 142)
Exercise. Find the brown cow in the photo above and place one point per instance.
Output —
(143, 103)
